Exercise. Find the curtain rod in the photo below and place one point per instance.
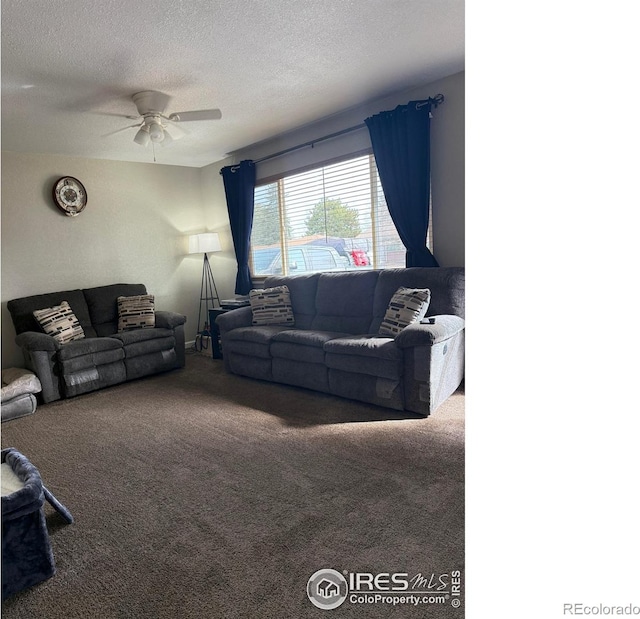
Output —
(311, 143)
(435, 101)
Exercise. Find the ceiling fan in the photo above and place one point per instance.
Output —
(154, 126)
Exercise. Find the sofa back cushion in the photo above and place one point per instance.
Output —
(103, 305)
(356, 301)
(302, 291)
(22, 309)
(344, 301)
(445, 283)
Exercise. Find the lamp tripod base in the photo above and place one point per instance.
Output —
(208, 296)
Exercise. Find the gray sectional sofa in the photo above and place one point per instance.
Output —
(334, 347)
(104, 356)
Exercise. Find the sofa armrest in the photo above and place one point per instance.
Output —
(169, 320)
(424, 334)
(32, 340)
(40, 352)
(241, 317)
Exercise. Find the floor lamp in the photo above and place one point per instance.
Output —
(202, 244)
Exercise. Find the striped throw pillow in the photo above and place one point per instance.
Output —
(60, 323)
(407, 305)
(271, 306)
(136, 312)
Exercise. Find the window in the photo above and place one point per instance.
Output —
(331, 218)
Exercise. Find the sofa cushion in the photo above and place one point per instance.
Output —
(91, 363)
(146, 341)
(407, 306)
(302, 289)
(374, 346)
(271, 306)
(252, 340)
(87, 346)
(344, 301)
(365, 354)
(102, 305)
(22, 310)
(301, 345)
(142, 335)
(136, 312)
(60, 323)
(316, 339)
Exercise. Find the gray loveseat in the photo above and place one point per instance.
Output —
(334, 347)
(103, 357)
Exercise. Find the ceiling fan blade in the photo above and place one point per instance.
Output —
(119, 130)
(151, 101)
(129, 116)
(196, 115)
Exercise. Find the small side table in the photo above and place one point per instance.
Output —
(216, 349)
(214, 332)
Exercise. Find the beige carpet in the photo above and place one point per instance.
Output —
(198, 494)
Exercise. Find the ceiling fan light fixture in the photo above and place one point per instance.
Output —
(156, 127)
(142, 137)
(156, 132)
(167, 138)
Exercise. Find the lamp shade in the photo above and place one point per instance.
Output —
(142, 137)
(156, 132)
(204, 243)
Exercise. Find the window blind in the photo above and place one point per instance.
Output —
(331, 218)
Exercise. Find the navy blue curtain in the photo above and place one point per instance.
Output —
(401, 146)
(239, 184)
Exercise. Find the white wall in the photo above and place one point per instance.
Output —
(447, 154)
(131, 231)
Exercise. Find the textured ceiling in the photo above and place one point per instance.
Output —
(69, 67)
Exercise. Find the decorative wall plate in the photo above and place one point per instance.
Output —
(70, 195)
